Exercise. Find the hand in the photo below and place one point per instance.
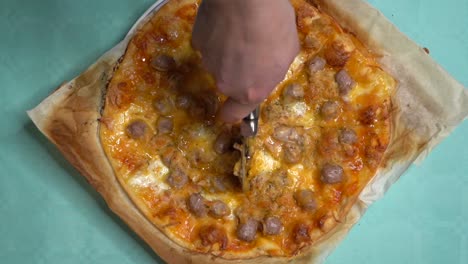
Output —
(248, 46)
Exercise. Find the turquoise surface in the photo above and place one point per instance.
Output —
(49, 214)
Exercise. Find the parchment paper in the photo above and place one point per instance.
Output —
(429, 103)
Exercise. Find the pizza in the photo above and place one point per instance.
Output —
(148, 141)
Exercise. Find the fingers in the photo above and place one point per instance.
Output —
(232, 111)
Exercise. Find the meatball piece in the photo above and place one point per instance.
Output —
(330, 110)
(219, 209)
(301, 233)
(137, 129)
(183, 101)
(292, 153)
(347, 136)
(338, 53)
(163, 63)
(294, 91)
(219, 184)
(306, 200)
(210, 103)
(165, 125)
(285, 134)
(196, 205)
(311, 42)
(272, 225)
(316, 64)
(223, 142)
(248, 230)
(223, 184)
(163, 106)
(177, 179)
(344, 81)
(331, 173)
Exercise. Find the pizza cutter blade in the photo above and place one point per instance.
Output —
(249, 128)
(249, 125)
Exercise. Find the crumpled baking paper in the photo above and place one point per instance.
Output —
(428, 102)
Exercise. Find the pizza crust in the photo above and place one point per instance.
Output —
(70, 119)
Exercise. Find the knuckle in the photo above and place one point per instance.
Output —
(254, 96)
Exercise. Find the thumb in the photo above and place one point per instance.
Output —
(232, 111)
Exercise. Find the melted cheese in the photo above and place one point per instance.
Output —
(142, 164)
(154, 177)
(264, 163)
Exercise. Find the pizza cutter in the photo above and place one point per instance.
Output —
(249, 128)
(249, 125)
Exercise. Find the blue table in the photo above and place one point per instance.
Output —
(49, 214)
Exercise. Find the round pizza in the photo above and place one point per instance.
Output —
(157, 146)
